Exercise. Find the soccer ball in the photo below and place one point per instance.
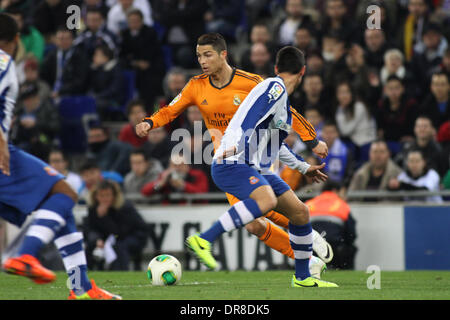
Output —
(164, 270)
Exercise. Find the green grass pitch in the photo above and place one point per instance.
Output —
(239, 285)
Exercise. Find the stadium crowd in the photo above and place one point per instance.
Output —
(379, 98)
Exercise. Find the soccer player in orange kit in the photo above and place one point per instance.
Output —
(218, 92)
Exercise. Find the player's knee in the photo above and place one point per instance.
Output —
(256, 227)
(303, 212)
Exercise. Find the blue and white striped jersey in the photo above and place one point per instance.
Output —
(258, 128)
(9, 88)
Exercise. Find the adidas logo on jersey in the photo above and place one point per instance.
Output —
(204, 103)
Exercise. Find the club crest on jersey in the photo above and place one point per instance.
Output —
(253, 180)
(275, 92)
(175, 100)
(236, 100)
(4, 60)
(50, 171)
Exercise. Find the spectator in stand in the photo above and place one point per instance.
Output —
(105, 82)
(336, 20)
(295, 18)
(312, 95)
(140, 50)
(179, 177)
(437, 103)
(354, 121)
(331, 214)
(224, 17)
(304, 39)
(394, 65)
(411, 29)
(334, 49)
(59, 161)
(99, 5)
(95, 34)
(91, 175)
(424, 141)
(143, 170)
(37, 123)
(261, 61)
(339, 162)
(443, 138)
(65, 69)
(117, 15)
(417, 176)
(31, 73)
(259, 34)
(49, 16)
(113, 224)
(110, 155)
(375, 48)
(159, 145)
(183, 21)
(315, 63)
(428, 54)
(396, 115)
(194, 119)
(135, 112)
(377, 172)
(315, 117)
(31, 38)
(445, 65)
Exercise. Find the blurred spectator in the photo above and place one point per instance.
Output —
(428, 54)
(59, 161)
(117, 15)
(114, 231)
(334, 50)
(194, 119)
(259, 34)
(49, 16)
(159, 145)
(315, 63)
(179, 177)
(445, 65)
(65, 69)
(339, 162)
(105, 82)
(377, 172)
(110, 155)
(312, 95)
(304, 40)
(356, 71)
(331, 214)
(31, 38)
(36, 123)
(99, 5)
(424, 141)
(135, 112)
(315, 117)
(417, 176)
(375, 47)
(396, 115)
(295, 18)
(354, 121)
(394, 65)
(411, 29)
(143, 170)
(31, 73)
(95, 34)
(336, 20)
(140, 51)
(91, 174)
(224, 17)
(443, 138)
(183, 22)
(261, 61)
(436, 105)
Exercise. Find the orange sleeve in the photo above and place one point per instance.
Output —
(180, 103)
(304, 129)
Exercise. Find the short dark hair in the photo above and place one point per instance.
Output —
(134, 103)
(107, 51)
(8, 27)
(290, 59)
(216, 40)
(95, 10)
(136, 12)
(394, 77)
(141, 152)
(89, 165)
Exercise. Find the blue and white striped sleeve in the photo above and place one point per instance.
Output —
(292, 160)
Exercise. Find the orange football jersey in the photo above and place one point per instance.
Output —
(218, 105)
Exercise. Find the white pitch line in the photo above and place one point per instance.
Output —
(145, 285)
